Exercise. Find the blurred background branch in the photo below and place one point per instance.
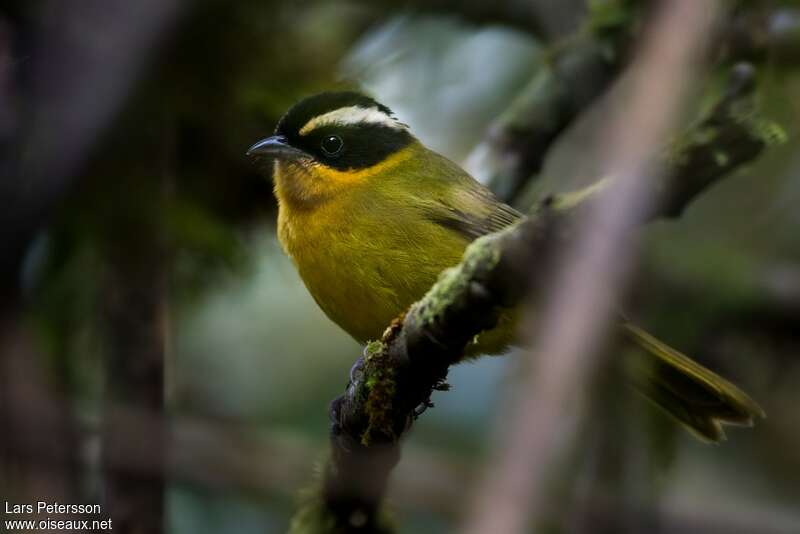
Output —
(71, 92)
(567, 332)
(577, 71)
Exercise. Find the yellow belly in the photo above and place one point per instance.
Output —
(367, 253)
(365, 274)
(362, 284)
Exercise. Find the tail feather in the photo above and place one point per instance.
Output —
(697, 397)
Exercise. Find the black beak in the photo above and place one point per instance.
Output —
(276, 146)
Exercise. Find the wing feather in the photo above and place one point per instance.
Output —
(473, 213)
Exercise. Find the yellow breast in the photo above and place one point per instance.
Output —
(362, 273)
(364, 255)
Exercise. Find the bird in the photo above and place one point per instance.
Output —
(370, 217)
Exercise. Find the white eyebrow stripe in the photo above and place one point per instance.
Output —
(353, 115)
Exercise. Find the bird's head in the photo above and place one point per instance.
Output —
(329, 142)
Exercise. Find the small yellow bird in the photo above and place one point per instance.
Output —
(370, 217)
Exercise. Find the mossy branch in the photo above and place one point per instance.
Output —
(397, 375)
(732, 134)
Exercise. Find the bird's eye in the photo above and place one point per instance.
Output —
(332, 145)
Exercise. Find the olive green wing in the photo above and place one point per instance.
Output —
(472, 212)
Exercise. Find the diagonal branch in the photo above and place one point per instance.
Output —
(576, 72)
